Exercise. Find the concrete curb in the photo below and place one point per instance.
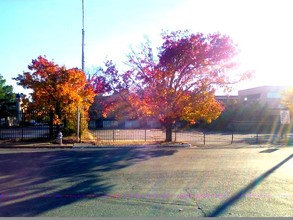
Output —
(164, 145)
(8, 145)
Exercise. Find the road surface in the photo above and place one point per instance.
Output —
(147, 182)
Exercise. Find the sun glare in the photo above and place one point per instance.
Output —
(271, 64)
(267, 44)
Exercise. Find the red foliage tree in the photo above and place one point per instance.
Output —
(180, 82)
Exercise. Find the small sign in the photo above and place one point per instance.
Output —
(285, 117)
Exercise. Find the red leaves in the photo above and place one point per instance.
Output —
(180, 82)
(100, 85)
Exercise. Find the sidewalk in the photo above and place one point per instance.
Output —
(69, 144)
(27, 144)
(47, 144)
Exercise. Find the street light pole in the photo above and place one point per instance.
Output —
(82, 41)
(82, 68)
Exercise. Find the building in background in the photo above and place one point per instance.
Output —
(227, 100)
(268, 96)
(11, 111)
(254, 104)
(265, 95)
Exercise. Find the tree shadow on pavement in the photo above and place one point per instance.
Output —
(34, 182)
(233, 199)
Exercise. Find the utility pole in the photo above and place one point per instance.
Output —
(82, 41)
(82, 68)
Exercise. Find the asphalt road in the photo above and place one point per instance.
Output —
(147, 182)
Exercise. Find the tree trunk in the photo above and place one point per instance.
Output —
(169, 132)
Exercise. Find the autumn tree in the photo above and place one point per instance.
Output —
(57, 90)
(180, 81)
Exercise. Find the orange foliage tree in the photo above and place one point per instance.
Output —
(57, 90)
(180, 82)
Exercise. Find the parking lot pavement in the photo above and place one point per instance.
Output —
(146, 182)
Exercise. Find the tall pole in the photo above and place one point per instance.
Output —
(82, 68)
(82, 43)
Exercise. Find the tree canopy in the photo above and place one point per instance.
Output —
(7, 98)
(179, 82)
(6, 91)
(57, 90)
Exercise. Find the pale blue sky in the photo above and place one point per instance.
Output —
(30, 28)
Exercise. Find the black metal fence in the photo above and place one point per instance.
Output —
(250, 132)
(196, 137)
(24, 133)
(27, 126)
(31, 126)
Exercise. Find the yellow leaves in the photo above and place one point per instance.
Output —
(287, 98)
(56, 88)
(202, 106)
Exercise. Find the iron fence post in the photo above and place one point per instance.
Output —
(22, 126)
(175, 134)
(232, 136)
(204, 136)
